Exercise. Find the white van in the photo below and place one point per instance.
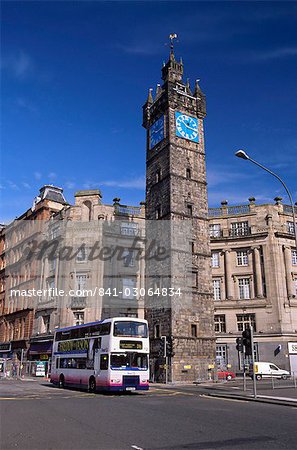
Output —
(268, 370)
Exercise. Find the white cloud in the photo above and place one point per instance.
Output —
(234, 198)
(134, 183)
(12, 185)
(37, 175)
(26, 185)
(70, 184)
(52, 175)
(225, 175)
(140, 48)
(277, 53)
(23, 103)
(20, 65)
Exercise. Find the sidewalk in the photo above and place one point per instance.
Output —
(272, 399)
(225, 390)
(24, 378)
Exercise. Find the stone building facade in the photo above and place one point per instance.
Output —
(17, 318)
(101, 257)
(176, 192)
(254, 272)
(82, 259)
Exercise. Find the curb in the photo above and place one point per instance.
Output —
(271, 400)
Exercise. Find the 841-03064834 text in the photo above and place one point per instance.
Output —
(101, 292)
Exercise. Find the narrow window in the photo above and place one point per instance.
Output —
(217, 289)
(158, 212)
(215, 259)
(190, 210)
(194, 279)
(194, 330)
(244, 288)
(157, 332)
(158, 176)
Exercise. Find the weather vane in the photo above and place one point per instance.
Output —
(172, 37)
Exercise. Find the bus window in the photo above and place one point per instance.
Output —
(128, 360)
(119, 360)
(81, 363)
(139, 360)
(104, 362)
(126, 328)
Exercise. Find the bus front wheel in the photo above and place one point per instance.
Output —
(92, 385)
(61, 382)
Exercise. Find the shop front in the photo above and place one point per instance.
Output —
(39, 355)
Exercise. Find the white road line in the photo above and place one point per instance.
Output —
(136, 448)
(223, 398)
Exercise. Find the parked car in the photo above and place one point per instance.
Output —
(225, 375)
(268, 370)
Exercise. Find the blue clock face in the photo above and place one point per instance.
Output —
(157, 132)
(186, 127)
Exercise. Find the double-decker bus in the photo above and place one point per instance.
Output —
(110, 355)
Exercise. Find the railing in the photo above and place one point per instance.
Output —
(229, 211)
(288, 209)
(240, 232)
(78, 302)
(128, 210)
(215, 212)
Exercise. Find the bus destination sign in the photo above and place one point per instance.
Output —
(131, 345)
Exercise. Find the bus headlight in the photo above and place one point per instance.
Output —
(116, 380)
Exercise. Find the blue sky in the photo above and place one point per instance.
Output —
(75, 76)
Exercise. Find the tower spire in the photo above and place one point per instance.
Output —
(172, 36)
(172, 70)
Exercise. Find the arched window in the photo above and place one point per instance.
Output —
(87, 211)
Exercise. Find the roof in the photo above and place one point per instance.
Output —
(53, 193)
(88, 193)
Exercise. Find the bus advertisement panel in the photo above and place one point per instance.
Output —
(111, 355)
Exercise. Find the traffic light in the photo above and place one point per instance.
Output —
(162, 346)
(247, 341)
(170, 347)
(239, 344)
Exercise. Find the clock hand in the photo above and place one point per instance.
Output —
(187, 126)
(157, 131)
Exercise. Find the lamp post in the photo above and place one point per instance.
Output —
(242, 154)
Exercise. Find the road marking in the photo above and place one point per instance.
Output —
(151, 393)
(168, 392)
(223, 398)
(19, 398)
(43, 397)
(136, 448)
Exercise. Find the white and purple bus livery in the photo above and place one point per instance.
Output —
(110, 355)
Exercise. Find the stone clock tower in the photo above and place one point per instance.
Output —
(176, 192)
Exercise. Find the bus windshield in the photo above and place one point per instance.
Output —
(125, 328)
(128, 360)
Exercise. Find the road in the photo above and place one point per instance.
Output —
(37, 416)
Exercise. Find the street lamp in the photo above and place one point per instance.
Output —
(243, 155)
